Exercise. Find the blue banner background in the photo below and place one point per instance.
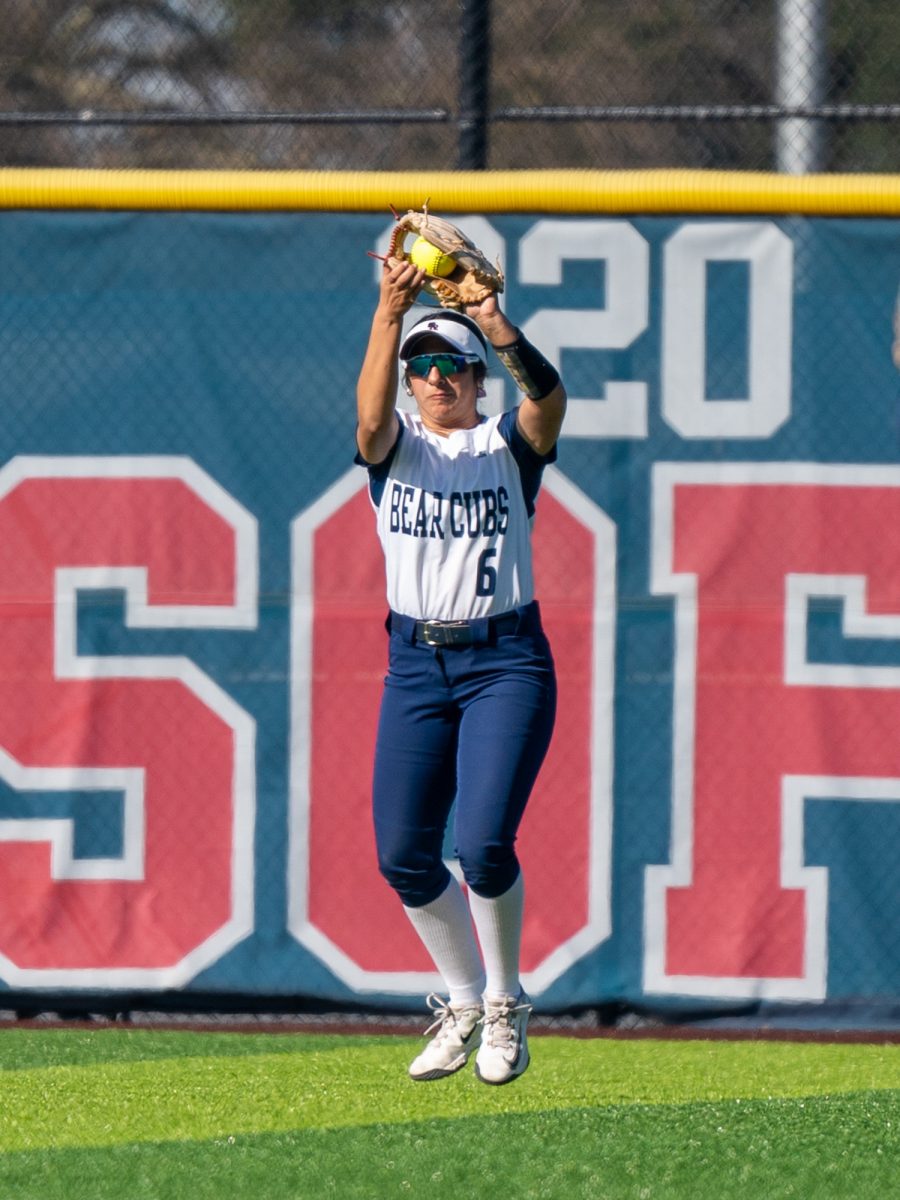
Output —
(236, 341)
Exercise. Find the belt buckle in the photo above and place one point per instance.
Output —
(446, 633)
(431, 633)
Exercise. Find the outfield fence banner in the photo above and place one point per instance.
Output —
(192, 609)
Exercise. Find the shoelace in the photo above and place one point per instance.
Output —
(445, 1018)
(497, 1022)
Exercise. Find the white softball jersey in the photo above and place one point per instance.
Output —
(454, 517)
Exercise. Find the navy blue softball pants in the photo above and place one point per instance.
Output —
(469, 724)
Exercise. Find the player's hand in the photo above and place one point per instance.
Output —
(492, 321)
(487, 308)
(401, 283)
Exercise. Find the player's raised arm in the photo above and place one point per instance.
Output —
(543, 404)
(376, 390)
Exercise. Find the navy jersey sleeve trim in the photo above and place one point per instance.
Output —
(530, 463)
(378, 472)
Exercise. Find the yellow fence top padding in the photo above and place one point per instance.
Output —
(563, 191)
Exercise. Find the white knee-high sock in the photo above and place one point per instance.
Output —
(445, 928)
(498, 922)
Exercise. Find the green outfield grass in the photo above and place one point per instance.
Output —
(91, 1115)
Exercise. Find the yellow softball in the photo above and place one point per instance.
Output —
(430, 259)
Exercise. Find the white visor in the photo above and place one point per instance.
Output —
(459, 337)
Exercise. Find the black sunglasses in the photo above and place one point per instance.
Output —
(447, 364)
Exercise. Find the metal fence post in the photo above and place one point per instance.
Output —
(474, 83)
(800, 83)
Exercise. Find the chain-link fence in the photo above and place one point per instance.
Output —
(791, 85)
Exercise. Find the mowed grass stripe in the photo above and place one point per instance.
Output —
(346, 1082)
(836, 1147)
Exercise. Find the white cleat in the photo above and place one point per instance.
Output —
(458, 1033)
(503, 1055)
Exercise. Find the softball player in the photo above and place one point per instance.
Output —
(469, 699)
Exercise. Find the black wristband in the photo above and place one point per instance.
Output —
(533, 374)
